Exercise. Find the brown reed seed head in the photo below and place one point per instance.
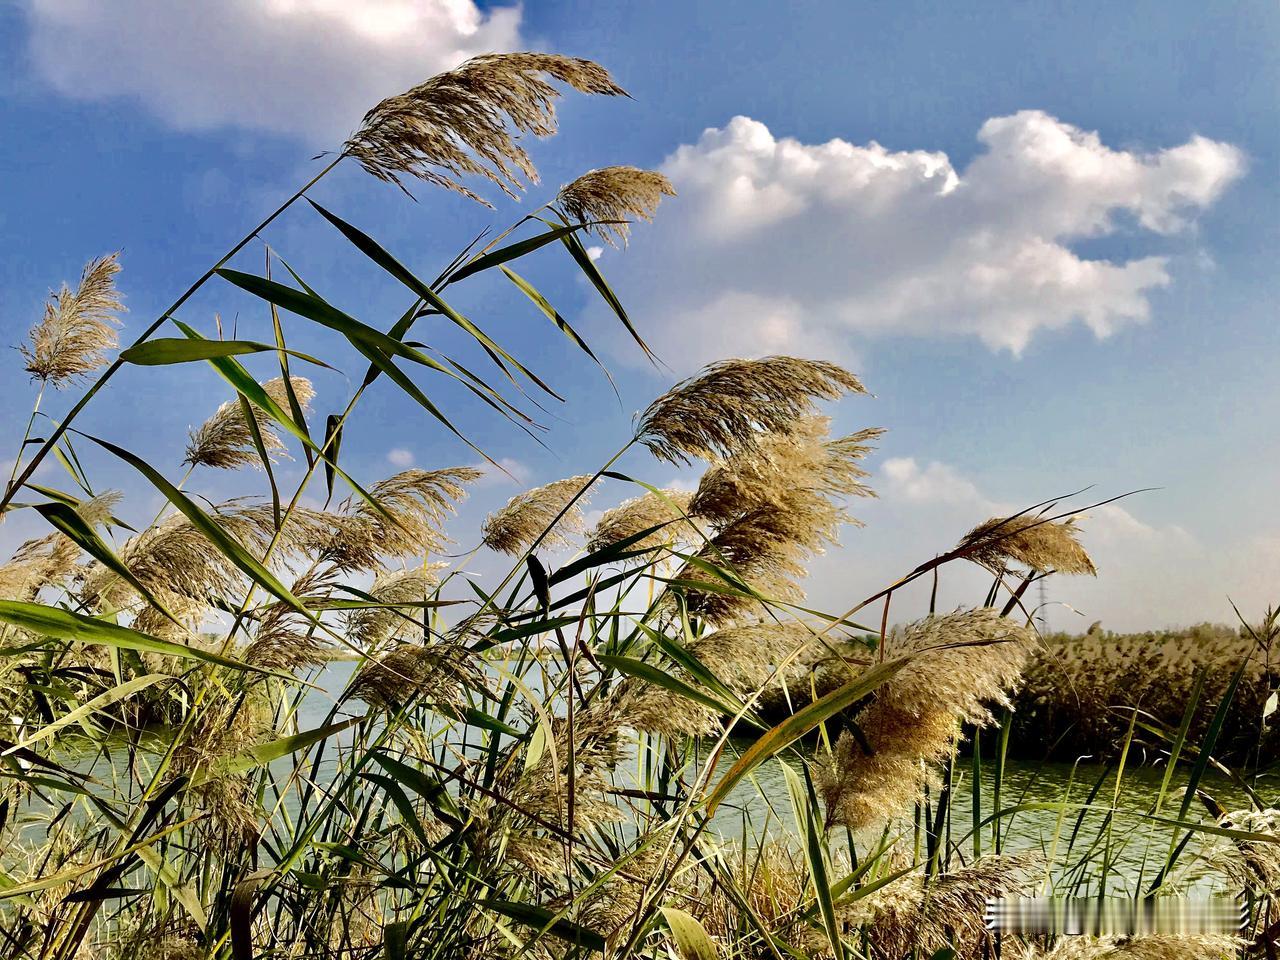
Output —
(1029, 540)
(177, 562)
(409, 672)
(78, 326)
(415, 504)
(225, 440)
(745, 658)
(609, 197)
(779, 465)
(375, 625)
(458, 124)
(722, 409)
(766, 549)
(632, 517)
(958, 664)
(526, 516)
(50, 561)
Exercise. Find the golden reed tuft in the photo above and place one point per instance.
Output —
(78, 326)
(373, 626)
(771, 504)
(526, 516)
(455, 124)
(722, 409)
(414, 505)
(668, 513)
(225, 440)
(959, 663)
(1029, 540)
(605, 198)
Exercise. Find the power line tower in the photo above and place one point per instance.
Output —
(1043, 613)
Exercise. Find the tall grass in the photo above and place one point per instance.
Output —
(542, 765)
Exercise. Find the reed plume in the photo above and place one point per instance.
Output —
(1036, 543)
(778, 466)
(958, 664)
(177, 562)
(771, 504)
(78, 327)
(414, 505)
(225, 440)
(435, 672)
(456, 124)
(668, 513)
(605, 198)
(514, 527)
(948, 912)
(51, 560)
(719, 411)
(284, 639)
(372, 626)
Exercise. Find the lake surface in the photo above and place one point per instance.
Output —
(1044, 804)
(1046, 808)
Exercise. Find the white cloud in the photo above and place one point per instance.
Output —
(935, 482)
(304, 67)
(512, 471)
(773, 242)
(400, 457)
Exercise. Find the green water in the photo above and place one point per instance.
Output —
(1044, 807)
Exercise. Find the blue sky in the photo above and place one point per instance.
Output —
(1056, 269)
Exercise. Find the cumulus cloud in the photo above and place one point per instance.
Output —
(308, 68)
(400, 457)
(774, 243)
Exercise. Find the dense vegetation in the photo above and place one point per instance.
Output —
(538, 766)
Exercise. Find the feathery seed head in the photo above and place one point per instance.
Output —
(415, 503)
(225, 440)
(1029, 540)
(374, 625)
(436, 671)
(527, 515)
(607, 197)
(78, 326)
(720, 411)
(631, 517)
(781, 466)
(458, 123)
(958, 664)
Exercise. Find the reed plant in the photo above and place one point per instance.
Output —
(565, 761)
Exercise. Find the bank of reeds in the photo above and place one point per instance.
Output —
(541, 764)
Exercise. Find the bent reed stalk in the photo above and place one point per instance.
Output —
(559, 764)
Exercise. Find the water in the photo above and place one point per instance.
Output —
(1044, 804)
(1041, 804)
